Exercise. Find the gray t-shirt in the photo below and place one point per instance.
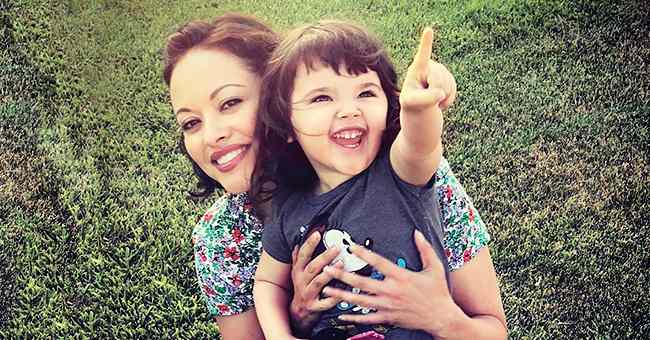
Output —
(375, 209)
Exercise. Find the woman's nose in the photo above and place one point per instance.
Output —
(215, 130)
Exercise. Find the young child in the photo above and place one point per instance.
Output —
(330, 92)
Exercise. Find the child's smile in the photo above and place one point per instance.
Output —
(348, 137)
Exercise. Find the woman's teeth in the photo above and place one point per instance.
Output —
(229, 156)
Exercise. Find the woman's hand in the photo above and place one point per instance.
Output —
(404, 298)
(308, 281)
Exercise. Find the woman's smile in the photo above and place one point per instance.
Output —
(229, 157)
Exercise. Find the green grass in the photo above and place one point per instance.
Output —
(549, 135)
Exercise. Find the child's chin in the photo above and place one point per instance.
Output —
(353, 169)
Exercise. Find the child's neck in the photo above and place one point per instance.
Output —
(330, 182)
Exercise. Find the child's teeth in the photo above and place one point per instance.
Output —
(349, 135)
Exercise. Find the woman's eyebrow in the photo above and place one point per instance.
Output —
(181, 110)
(218, 89)
(212, 95)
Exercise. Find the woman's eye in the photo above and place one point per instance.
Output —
(367, 93)
(229, 104)
(321, 98)
(188, 125)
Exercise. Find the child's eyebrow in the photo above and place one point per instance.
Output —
(311, 92)
(370, 84)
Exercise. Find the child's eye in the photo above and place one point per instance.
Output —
(367, 93)
(188, 125)
(229, 104)
(321, 98)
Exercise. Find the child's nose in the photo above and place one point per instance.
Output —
(349, 112)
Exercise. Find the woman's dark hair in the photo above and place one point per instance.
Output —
(331, 43)
(244, 36)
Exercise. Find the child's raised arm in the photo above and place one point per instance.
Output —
(428, 89)
(271, 296)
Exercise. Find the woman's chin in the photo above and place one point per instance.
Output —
(234, 181)
(236, 187)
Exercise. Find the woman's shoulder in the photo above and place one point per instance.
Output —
(443, 172)
(227, 246)
(228, 213)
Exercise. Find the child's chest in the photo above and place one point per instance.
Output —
(381, 223)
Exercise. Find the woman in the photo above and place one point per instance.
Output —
(214, 72)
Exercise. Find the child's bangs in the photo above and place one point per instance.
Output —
(356, 52)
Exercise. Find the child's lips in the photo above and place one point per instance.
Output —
(350, 137)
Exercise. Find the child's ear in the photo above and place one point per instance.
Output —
(290, 139)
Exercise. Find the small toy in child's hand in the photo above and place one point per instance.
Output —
(369, 335)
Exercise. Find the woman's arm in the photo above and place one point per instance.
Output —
(271, 296)
(224, 277)
(475, 291)
(243, 326)
(465, 233)
(465, 243)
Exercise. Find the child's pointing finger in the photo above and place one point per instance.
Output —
(423, 55)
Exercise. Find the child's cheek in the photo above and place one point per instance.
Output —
(377, 122)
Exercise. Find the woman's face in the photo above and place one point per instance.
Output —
(215, 98)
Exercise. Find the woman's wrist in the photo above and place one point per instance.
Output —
(458, 325)
(445, 326)
(301, 318)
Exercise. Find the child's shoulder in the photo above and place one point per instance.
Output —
(289, 200)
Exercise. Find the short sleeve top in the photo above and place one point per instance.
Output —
(227, 245)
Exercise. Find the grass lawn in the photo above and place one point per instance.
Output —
(549, 135)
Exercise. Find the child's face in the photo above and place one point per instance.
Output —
(338, 120)
(215, 99)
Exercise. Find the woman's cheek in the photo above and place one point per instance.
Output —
(192, 146)
(251, 120)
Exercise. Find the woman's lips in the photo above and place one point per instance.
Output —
(228, 158)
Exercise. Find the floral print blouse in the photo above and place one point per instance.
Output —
(228, 243)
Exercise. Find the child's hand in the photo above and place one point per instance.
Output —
(428, 86)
